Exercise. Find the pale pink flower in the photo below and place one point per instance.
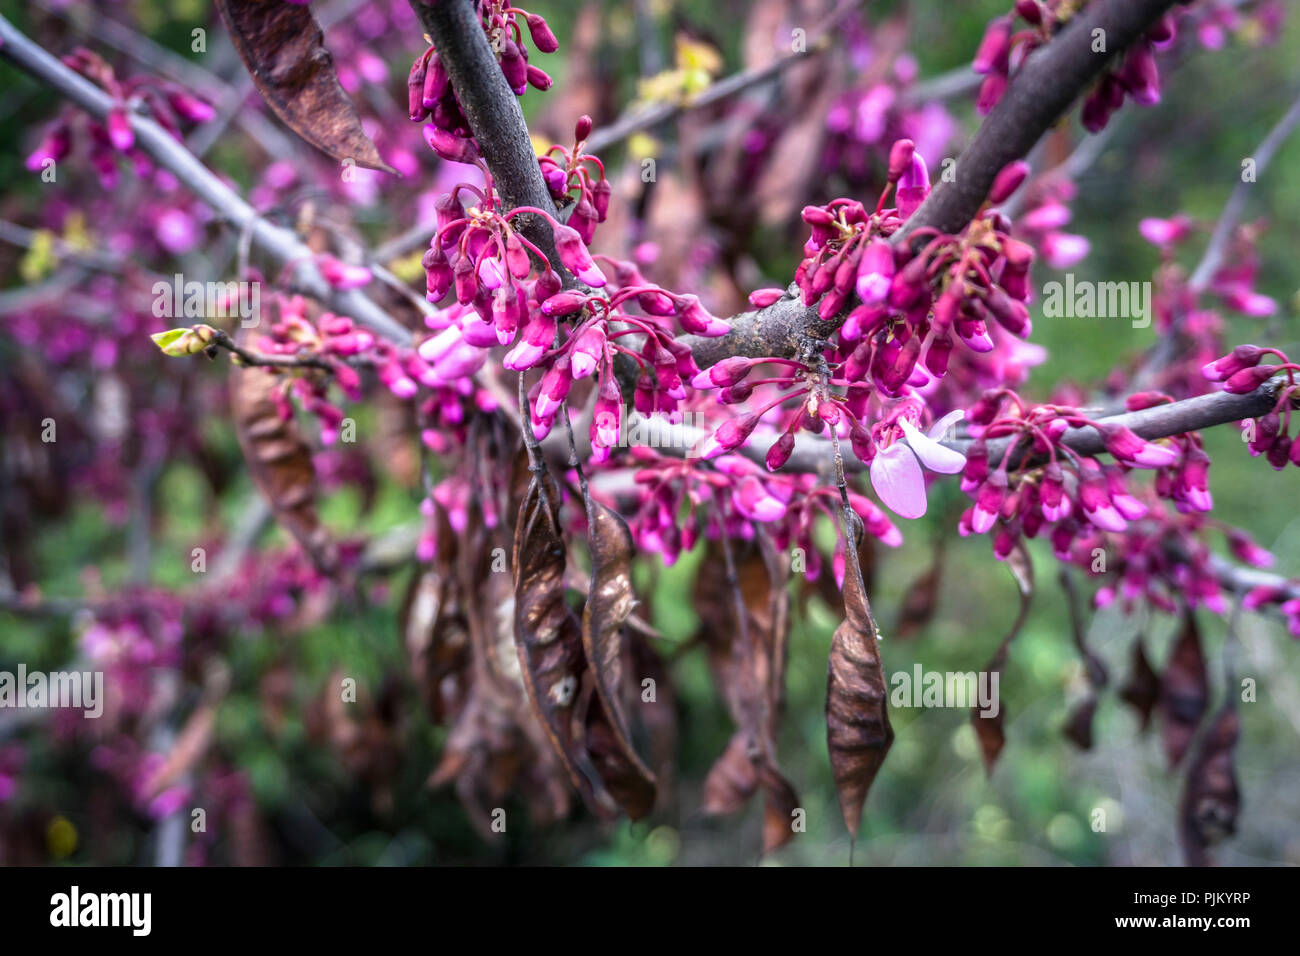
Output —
(896, 470)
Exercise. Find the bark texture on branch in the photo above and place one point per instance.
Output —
(1038, 93)
(493, 112)
(1042, 89)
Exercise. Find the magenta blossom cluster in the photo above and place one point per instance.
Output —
(507, 294)
(732, 496)
(568, 176)
(1166, 562)
(1240, 372)
(168, 104)
(1004, 48)
(430, 94)
(1036, 480)
(893, 445)
(913, 302)
(445, 401)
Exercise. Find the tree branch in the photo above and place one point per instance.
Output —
(1236, 203)
(493, 112)
(814, 454)
(1038, 93)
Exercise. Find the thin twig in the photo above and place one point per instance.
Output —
(267, 359)
(644, 117)
(1232, 210)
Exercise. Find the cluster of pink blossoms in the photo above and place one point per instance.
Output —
(166, 102)
(507, 294)
(1166, 562)
(732, 497)
(913, 303)
(1004, 48)
(915, 300)
(1031, 479)
(431, 96)
(1240, 372)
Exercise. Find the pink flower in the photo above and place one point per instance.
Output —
(875, 272)
(754, 501)
(1061, 250)
(896, 470)
(913, 186)
(1164, 232)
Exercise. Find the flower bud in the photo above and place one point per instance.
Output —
(994, 48)
(555, 388)
(913, 186)
(725, 373)
(190, 107)
(1030, 11)
(780, 451)
(1008, 180)
(875, 272)
(546, 42)
(601, 191)
(449, 146)
(1249, 379)
(120, 133)
(900, 158)
(587, 352)
(729, 436)
(697, 320)
(762, 298)
(564, 303)
(1242, 357)
(436, 82)
(538, 78)
(514, 66)
(575, 257)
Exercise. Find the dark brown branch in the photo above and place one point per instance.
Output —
(1036, 96)
(1042, 89)
(493, 112)
(267, 360)
(1236, 203)
(1161, 421)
